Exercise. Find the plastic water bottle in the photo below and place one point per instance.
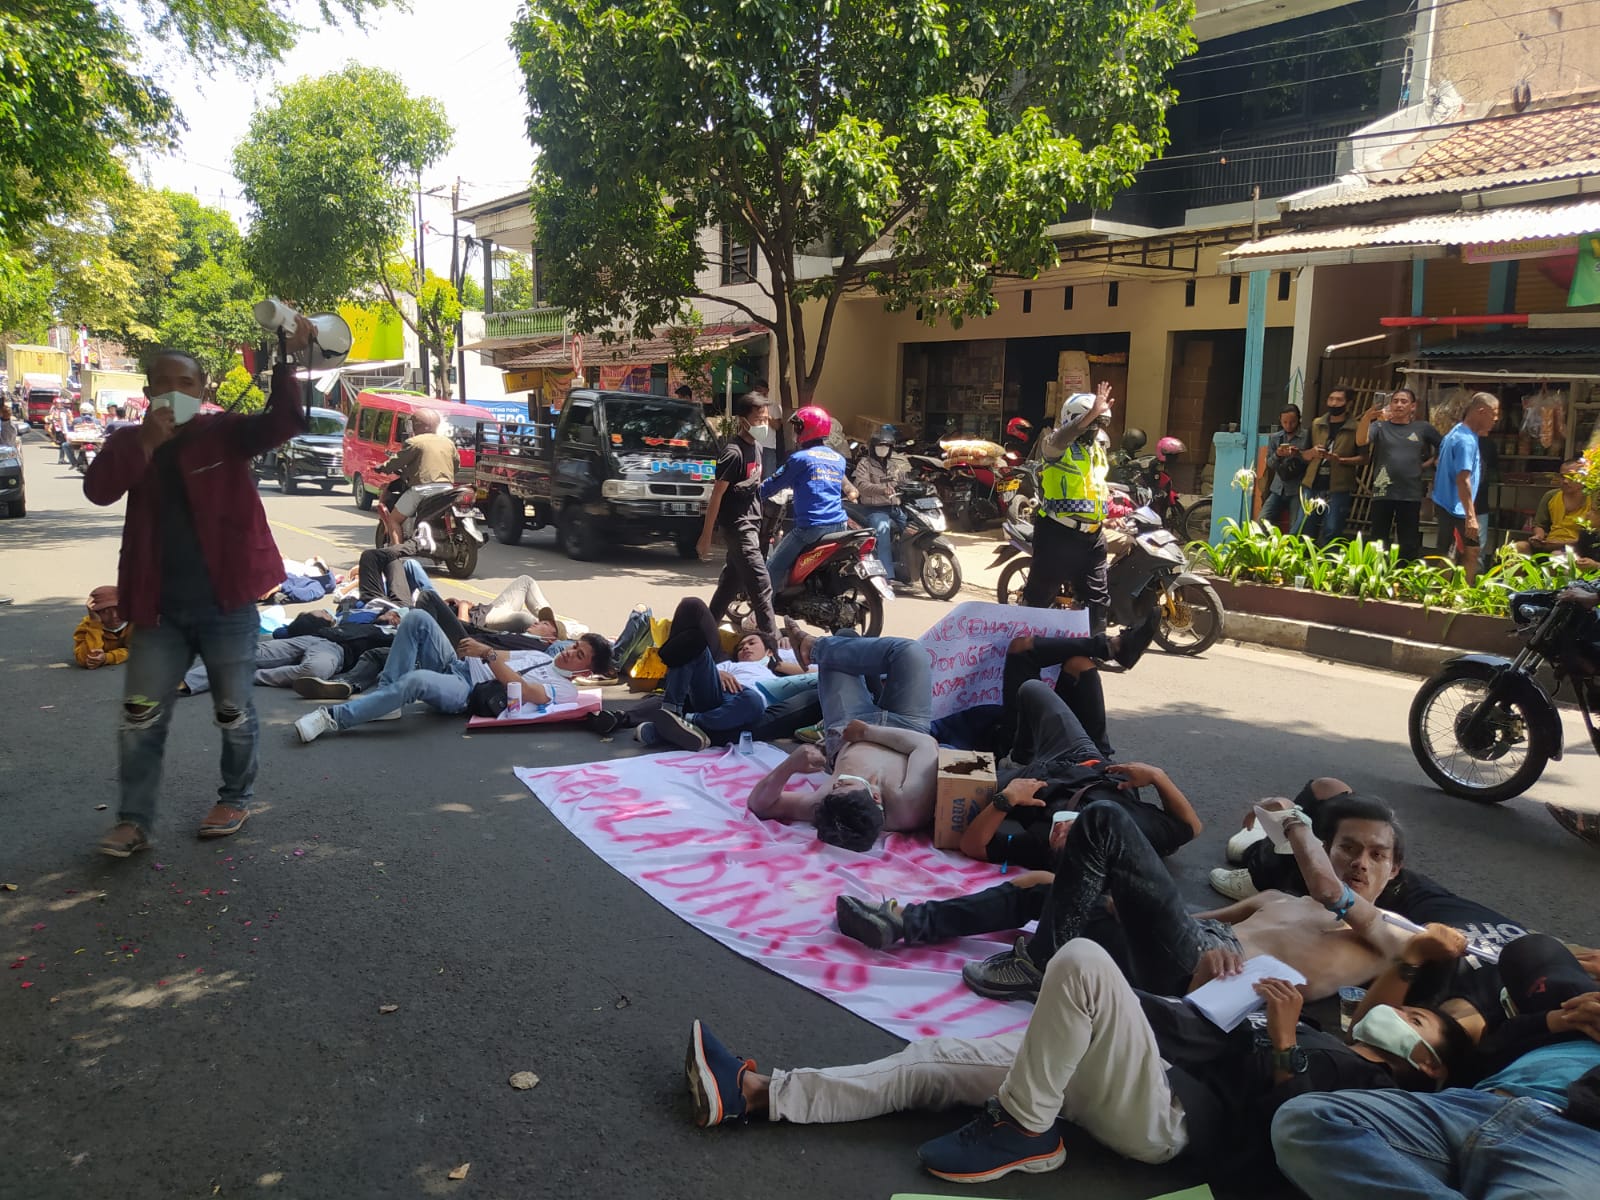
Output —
(514, 696)
(747, 743)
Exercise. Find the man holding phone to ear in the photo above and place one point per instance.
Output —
(196, 552)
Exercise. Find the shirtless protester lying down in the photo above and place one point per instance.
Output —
(876, 697)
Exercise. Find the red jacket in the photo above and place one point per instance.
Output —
(214, 453)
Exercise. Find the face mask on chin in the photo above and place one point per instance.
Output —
(184, 406)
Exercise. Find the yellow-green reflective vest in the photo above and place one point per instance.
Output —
(1074, 485)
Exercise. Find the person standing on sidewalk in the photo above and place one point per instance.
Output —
(1402, 449)
(735, 505)
(196, 552)
(1286, 459)
(1069, 545)
(1337, 459)
(1455, 487)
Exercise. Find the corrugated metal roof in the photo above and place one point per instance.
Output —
(1542, 138)
(1329, 195)
(1511, 348)
(1513, 223)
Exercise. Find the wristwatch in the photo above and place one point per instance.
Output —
(491, 656)
(1292, 1060)
(1002, 802)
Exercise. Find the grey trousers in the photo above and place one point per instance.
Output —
(279, 662)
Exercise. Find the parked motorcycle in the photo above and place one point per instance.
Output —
(1149, 575)
(922, 554)
(1147, 480)
(444, 519)
(1484, 726)
(836, 584)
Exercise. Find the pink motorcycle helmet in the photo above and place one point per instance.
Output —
(811, 424)
(1169, 447)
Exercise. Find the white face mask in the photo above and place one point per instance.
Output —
(1383, 1028)
(184, 406)
(764, 437)
(878, 800)
(882, 450)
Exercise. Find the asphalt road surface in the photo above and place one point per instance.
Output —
(205, 1019)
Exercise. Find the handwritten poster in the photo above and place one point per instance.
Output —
(967, 648)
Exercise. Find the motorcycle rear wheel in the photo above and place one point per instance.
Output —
(869, 607)
(1013, 581)
(1505, 766)
(1194, 621)
(463, 560)
(1197, 522)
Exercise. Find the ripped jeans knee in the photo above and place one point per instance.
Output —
(139, 711)
(229, 717)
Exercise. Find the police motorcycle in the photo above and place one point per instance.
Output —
(1147, 572)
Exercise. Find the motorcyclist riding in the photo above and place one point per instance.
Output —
(1068, 540)
(879, 489)
(427, 457)
(816, 475)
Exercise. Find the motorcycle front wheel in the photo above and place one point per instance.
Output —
(1189, 621)
(1503, 759)
(1013, 581)
(941, 574)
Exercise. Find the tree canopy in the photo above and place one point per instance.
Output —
(328, 169)
(913, 150)
(75, 96)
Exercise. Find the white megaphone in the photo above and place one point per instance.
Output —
(331, 338)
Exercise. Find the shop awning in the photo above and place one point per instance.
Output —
(633, 352)
(1409, 238)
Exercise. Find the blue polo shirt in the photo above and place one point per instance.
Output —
(1458, 452)
(816, 474)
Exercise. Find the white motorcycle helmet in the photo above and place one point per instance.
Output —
(1076, 407)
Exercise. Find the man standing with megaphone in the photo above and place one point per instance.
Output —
(196, 553)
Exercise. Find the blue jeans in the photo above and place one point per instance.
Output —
(1277, 504)
(1455, 1143)
(158, 658)
(422, 666)
(1329, 525)
(882, 681)
(783, 555)
(696, 690)
(884, 523)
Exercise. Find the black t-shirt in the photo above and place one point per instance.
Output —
(1023, 838)
(739, 466)
(185, 582)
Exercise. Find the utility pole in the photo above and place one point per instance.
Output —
(421, 261)
(457, 265)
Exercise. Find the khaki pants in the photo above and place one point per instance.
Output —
(1088, 1055)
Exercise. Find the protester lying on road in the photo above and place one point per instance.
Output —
(1531, 1127)
(1078, 684)
(467, 676)
(876, 700)
(707, 699)
(388, 572)
(101, 638)
(1063, 771)
(520, 607)
(1095, 1053)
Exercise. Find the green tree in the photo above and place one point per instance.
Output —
(328, 168)
(237, 392)
(110, 257)
(515, 290)
(431, 309)
(917, 151)
(205, 307)
(75, 97)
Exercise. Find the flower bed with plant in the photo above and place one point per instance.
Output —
(1366, 570)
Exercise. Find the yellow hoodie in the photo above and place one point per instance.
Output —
(91, 635)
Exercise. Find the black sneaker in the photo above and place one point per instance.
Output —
(680, 732)
(1010, 975)
(312, 688)
(876, 926)
(606, 721)
(1132, 643)
(992, 1144)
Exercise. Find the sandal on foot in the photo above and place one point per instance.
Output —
(124, 841)
(222, 820)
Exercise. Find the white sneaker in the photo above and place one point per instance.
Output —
(425, 538)
(1235, 885)
(1242, 841)
(314, 724)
